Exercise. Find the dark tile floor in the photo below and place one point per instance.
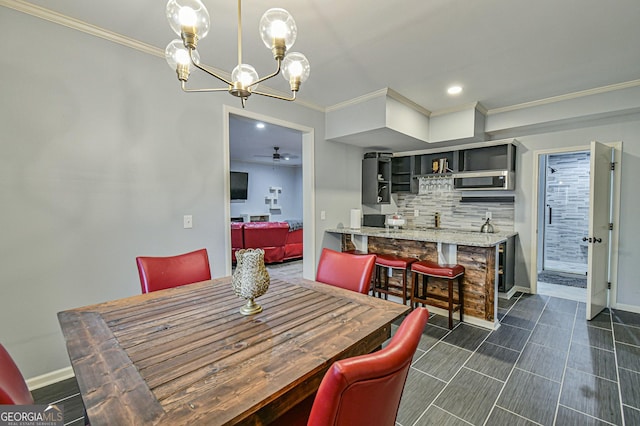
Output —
(545, 365)
(67, 394)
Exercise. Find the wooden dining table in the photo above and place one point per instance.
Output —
(187, 356)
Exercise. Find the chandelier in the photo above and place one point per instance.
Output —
(190, 20)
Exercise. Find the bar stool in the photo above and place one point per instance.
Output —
(433, 269)
(391, 261)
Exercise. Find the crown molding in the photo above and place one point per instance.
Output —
(386, 92)
(407, 102)
(568, 96)
(357, 100)
(75, 24)
(465, 107)
(66, 21)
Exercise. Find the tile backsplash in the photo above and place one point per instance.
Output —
(454, 213)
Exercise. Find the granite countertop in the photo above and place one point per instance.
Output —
(441, 235)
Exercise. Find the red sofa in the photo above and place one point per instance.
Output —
(273, 237)
(293, 245)
(237, 238)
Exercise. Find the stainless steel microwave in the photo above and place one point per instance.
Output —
(484, 180)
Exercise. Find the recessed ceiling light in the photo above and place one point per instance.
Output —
(260, 125)
(454, 90)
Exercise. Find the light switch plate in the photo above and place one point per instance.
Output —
(188, 221)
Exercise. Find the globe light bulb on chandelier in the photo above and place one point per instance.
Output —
(191, 21)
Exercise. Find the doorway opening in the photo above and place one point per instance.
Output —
(563, 223)
(604, 218)
(301, 181)
(270, 155)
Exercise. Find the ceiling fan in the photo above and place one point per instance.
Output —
(277, 155)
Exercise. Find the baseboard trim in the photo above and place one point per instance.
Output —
(522, 289)
(508, 295)
(481, 323)
(50, 378)
(467, 319)
(628, 308)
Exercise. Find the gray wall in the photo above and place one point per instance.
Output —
(261, 178)
(101, 156)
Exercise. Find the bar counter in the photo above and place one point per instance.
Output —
(434, 235)
(477, 252)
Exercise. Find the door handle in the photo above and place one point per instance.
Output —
(592, 240)
(550, 213)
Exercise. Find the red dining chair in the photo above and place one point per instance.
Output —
(363, 390)
(158, 273)
(13, 388)
(345, 270)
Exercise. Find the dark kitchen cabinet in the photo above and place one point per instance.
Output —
(497, 157)
(401, 174)
(376, 180)
(506, 263)
(428, 164)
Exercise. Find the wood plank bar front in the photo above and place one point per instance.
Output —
(478, 283)
(187, 356)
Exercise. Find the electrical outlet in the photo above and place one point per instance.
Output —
(488, 215)
(323, 215)
(188, 221)
(416, 213)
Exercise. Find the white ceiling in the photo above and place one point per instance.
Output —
(249, 143)
(503, 52)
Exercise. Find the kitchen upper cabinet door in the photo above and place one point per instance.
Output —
(401, 174)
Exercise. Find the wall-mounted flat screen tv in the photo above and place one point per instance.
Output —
(239, 184)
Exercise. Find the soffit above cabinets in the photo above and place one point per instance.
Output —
(386, 121)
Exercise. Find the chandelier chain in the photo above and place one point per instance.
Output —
(239, 33)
